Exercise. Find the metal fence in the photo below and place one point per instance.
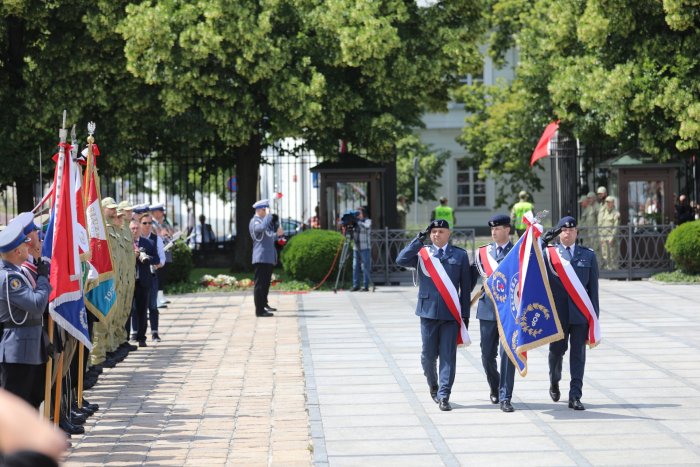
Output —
(625, 252)
(629, 251)
(387, 243)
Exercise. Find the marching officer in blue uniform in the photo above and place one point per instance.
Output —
(22, 353)
(501, 385)
(573, 322)
(264, 255)
(439, 328)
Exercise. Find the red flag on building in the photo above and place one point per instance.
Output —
(542, 149)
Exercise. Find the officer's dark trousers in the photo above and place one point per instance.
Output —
(263, 276)
(153, 313)
(498, 383)
(576, 333)
(439, 340)
(24, 381)
(139, 323)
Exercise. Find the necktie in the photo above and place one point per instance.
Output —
(439, 253)
(568, 253)
(499, 250)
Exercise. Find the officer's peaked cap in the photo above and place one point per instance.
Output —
(262, 204)
(12, 237)
(439, 224)
(499, 219)
(158, 207)
(566, 221)
(140, 208)
(26, 220)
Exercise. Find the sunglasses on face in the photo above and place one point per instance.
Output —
(146, 223)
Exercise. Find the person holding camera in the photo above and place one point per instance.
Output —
(264, 235)
(22, 305)
(361, 258)
(446, 280)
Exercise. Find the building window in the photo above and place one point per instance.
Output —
(471, 192)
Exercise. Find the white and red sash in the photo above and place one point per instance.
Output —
(578, 294)
(436, 271)
(487, 261)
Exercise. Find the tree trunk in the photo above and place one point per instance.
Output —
(248, 159)
(391, 219)
(25, 194)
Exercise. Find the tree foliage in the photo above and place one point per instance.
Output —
(430, 166)
(617, 73)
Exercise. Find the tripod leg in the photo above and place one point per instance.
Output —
(341, 264)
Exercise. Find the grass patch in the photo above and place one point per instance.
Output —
(283, 284)
(677, 277)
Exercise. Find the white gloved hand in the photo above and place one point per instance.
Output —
(143, 257)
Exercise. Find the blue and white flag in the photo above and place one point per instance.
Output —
(519, 288)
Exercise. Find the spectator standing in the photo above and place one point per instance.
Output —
(519, 209)
(684, 212)
(264, 255)
(608, 223)
(362, 258)
(401, 211)
(443, 211)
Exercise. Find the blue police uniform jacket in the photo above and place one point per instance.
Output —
(484, 309)
(22, 343)
(144, 269)
(264, 237)
(456, 263)
(585, 265)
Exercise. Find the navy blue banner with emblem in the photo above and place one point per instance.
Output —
(526, 314)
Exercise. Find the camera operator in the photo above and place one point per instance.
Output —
(361, 260)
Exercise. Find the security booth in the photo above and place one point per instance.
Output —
(347, 184)
(645, 189)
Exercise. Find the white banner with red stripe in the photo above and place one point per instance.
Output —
(436, 271)
(487, 262)
(578, 294)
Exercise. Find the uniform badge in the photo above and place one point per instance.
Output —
(15, 283)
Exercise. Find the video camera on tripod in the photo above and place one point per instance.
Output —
(348, 221)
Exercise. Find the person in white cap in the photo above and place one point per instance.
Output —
(264, 255)
(22, 353)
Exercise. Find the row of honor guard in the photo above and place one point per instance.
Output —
(136, 236)
(441, 321)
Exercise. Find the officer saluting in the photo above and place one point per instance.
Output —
(446, 280)
(21, 310)
(488, 258)
(264, 254)
(573, 276)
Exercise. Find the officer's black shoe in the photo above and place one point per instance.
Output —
(83, 410)
(494, 396)
(96, 369)
(69, 428)
(109, 363)
(88, 405)
(554, 392)
(576, 404)
(264, 314)
(354, 289)
(131, 347)
(77, 418)
(506, 406)
(143, 343)
(88, 383)
(269, 308)
(156, 337)
(365, 289)
(445, 405)
(433, 394)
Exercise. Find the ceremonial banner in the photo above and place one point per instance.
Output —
(66, 302)
(519, 288)
(100, 299)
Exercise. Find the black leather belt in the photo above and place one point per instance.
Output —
(26, 324)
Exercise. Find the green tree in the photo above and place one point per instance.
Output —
(322, 71)
(620, 74)
(430, 166)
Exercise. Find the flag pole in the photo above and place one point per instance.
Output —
(49, 376)
(59, 385)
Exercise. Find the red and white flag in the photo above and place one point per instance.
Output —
(542, 148)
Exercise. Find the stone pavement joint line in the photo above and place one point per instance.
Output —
(222, 388)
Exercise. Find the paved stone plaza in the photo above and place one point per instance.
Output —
(335, 379)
